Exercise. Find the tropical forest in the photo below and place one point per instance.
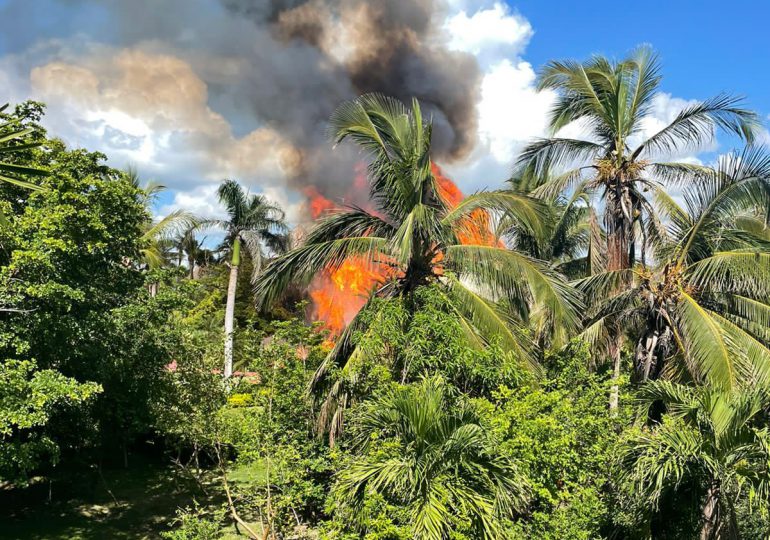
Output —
(367, 344)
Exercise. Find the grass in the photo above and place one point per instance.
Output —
(138, 502)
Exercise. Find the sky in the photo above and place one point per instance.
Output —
(192, 91)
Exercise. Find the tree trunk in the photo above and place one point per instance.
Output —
(232, 286)
(710, 513)
(153, 289)
(191, 264)
(615, 354)
(619, 221)
(617, 248)
(646, 361)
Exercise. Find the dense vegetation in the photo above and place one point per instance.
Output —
(521, 369)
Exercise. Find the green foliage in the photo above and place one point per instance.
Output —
(424, 239)
(469, 412)
(195, 524)
(712, 442)
(425, 450)
(28, 399)
(563, 437)
(400, 337)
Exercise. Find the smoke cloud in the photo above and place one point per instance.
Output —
(314, 54)
(283, 66)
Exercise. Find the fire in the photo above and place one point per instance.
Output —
(474, 229)
(318, 203)
(338, 294)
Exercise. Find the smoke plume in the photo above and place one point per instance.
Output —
(326, 51)
(282, 66)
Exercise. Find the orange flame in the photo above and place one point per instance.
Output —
(340, 293)
(475, 229)
(318, 203)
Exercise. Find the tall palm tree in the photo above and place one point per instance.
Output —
(706, 302)
(714, 440)
(441, 465)
(613, 100)
(416, 235)
(254, 223)
(15, 173)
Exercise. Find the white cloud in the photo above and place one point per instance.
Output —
(490, 33)
(151, 110)
(511, 111)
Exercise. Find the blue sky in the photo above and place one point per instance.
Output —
(707, 46)
(168, 85)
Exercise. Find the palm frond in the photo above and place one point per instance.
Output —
(302, 264)
(696, 125)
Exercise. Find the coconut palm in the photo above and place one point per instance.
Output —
(711, 440)
(254, 223)
(706, 302)
(573, 241)
(187, 245)
(613, 100)
(416, 237)
(14, 173)
(440, 464)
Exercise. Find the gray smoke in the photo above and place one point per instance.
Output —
(394, 48)
(297, 60)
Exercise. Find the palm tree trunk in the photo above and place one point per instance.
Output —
(232, 286)
(645, 360)
(615, 354)
(619, 221)
(710, 513)
(617, 248)
(191, 264)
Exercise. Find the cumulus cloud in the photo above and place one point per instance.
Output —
(211, 89)
(151, 110)
(510, 110)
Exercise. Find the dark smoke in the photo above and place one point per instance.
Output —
(395, 49)
(297, 60)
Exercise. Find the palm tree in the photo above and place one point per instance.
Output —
(573, 240)
(613, 99)
(156, 241)
(712, 439)
(13, 173)
(440, 464)
(706, 302)
(187, 245)
(252, 222)
(414, 233)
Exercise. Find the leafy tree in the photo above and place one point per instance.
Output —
(253, 222)
(187, 245)
(712, 441)
(706, 302)
(563, 439)
(613, 99)
(28, 398)
(156, 239)
(413, 232)
(70, 287)
(434, 458)
(573, 239)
